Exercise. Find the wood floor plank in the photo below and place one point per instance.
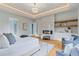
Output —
(57, 45)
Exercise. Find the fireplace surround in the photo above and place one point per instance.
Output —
(46, 34)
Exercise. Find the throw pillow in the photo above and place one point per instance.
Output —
(10, 37)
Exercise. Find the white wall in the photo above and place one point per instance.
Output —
(68, 15)
(28, 26)
(4, 23)
(42, 23)
(45, 23)
(34, 28)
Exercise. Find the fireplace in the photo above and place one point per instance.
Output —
(46, 34)
(46, 37)
(47, 31)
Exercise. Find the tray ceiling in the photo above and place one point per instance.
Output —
(42, 7)
(25, 9)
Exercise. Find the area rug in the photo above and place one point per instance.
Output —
(44, 49)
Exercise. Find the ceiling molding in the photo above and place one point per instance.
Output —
(56, 10)
(25, 13)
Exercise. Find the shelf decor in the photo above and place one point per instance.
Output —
(67, 23)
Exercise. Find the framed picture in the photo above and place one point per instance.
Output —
(24, 25)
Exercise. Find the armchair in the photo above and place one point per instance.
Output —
(66, 52)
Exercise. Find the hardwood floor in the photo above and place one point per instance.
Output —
(57, 45)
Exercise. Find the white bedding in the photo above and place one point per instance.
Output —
(26, 46)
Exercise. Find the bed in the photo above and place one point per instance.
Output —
(23, 47)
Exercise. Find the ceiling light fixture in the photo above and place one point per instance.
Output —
(35, 9)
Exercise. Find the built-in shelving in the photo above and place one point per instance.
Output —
(67, 23)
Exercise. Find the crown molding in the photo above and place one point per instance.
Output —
(53, 11)
(15, 9)
(56, 10)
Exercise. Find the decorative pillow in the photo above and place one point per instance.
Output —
(10, 37)
(76, 41)
(68, 49)
(4, 43)
(23, 36)
(66, 41)
(75, 37)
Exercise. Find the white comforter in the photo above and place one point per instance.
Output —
(26, 46)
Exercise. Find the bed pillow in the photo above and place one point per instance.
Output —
(11, 38)
(4, 43)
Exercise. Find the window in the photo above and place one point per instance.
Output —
(13, 25)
